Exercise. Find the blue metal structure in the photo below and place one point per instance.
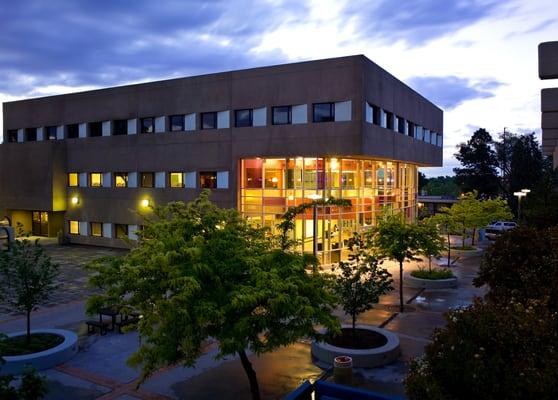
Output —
(332, 391)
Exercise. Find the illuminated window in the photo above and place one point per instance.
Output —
(243, 118)
(74, 227)
(176, 123)
(72, 131)
(121, 179)
(324, 112)
(281, 115)
(95, 179)
(176, 179)
(147, 125)
(147, 179)
(96, 229)
(73, 179)
(209, 120)
(208, 180)
(121, 231)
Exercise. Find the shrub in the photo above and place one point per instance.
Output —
(490, 351)
(434, 274)
(522, 264)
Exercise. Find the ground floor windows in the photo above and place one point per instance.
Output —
(121, 179)
(120, 231)
(147, 179)
(73, 227)
(39, 223)
(208, 180)
(96, 179)
(269, 186)
(73, 179)
(96, 229)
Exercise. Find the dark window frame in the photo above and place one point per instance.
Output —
(90, 175)
(290, 115)
(114, 179)
(119, 127)
(152, 174)
(213, 174)
(376, 115)
(69, 185)
(30, 134)
(400, 124)
(143, 128)
(72, 131)
(330, 118)
(203, 115)
(121, 226)
(170, 181)
(48, 130)
(91, 229)
(70, 227)
(95, 129)
(182, 125)
(11, 135)
(250, 118)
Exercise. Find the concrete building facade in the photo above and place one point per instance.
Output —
(548, 69)
(88, 165)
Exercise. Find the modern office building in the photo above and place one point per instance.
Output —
(548, 69)
(88, 164)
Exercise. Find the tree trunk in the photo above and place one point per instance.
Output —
(28, 338)
(449, 249)
(473, 240)
(429, 263)
(401, 286)
(463, 239)
(254, 388)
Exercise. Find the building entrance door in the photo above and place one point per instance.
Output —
(40, 223)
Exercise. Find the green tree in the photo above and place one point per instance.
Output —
(422, 182)
(27, 277)
(362, 281)
(540, 207)
(200, 272)
(527, 166)
(479, 165)
(522, 264)
(490, 351)
(395, 239)
(442, 186)
(431, 241)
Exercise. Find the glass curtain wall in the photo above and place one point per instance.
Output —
(269, 186)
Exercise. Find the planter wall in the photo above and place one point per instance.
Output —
(419, 283)
(366, 358)
(44, 359)
(475, 252)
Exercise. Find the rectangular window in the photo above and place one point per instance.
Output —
(12, 135)
(96, 229)
(376, 115)
(50, 133)
(95, 129)
(176, 180)
(73, 227)
(208, 180)
(72, 131)
(389, 120)
(121, 179)
(176, 123)
(73, 179)
(119, 127)
(209, 120)
(30, 134)
(121, 231)
(324, 112)
(400, 125)
(147, 125)
(411, 127)
(147, 179)
(95, 179)
(243, 118)
(281, 115)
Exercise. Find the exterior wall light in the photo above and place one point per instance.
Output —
(75, 200)
(145, 203)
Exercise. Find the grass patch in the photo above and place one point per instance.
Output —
(463, 248)
(434, 274)
(17, 345)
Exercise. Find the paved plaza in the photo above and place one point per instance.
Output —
(99, 371)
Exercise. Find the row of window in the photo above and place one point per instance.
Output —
(280, 115)
(101, 229)
(201, 179)
(386, 119)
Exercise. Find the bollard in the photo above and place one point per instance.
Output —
(343, 370)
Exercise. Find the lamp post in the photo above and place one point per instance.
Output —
(314, 197)
(519, 196)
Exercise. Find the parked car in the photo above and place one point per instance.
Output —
(499, 227)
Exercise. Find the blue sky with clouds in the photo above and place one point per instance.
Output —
(476, 59)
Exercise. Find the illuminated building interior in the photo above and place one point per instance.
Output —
(270, 185)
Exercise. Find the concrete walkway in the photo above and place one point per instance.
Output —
(99, 371)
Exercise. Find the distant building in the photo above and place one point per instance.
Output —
(430, 205)
(261, 139)
(548, 69)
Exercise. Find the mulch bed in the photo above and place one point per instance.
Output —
(362, 339)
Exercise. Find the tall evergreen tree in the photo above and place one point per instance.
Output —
(479, 165)
(526, 163)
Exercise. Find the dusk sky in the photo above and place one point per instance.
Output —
(477, 60)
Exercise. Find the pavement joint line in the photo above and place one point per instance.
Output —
(388, 320)
(417, 294)
(416, 338)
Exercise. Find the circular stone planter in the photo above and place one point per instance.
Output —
(44, 359)
(474, 252)
(365, 358)
(419, 283)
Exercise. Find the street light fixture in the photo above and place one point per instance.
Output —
(519, 196)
